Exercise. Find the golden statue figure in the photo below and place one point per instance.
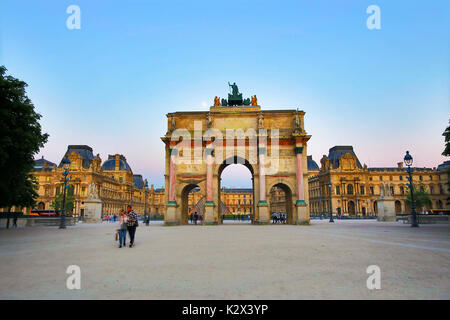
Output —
(254, 101)
(216, 101)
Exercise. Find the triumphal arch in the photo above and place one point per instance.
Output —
(272, 144)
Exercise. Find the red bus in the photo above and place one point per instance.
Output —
(47, 213)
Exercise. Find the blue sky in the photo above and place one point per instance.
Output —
(110, 84)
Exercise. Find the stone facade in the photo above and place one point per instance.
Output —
(200, 158)
(114, 180)
(356, 188)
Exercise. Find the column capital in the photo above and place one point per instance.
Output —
(172, 204)
(301, 203)
(262, 203)
(209, 204)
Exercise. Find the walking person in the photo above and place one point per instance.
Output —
(132, 224)
(195, 217)
(122, 229)
(15, 221)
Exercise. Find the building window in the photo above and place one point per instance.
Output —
(370, 179)
(372, 191)
(420, 178)
(431, 177)
(422, 189)
(392, 190)
(402, 190)
(381, 178)
(362, 190)
(338, 190)
(401, 178)
(431, 189)
(350, 189)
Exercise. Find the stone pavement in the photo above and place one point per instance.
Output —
(321, 261)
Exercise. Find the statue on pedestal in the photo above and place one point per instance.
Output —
(92, 192)
(386, 204)
(93, 205)
(235, 98)
(385, 190)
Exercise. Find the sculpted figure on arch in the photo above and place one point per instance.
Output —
(254, 100)
(216, 101)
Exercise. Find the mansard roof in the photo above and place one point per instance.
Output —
(84, 151)
(337, 152)
(312, 165)
(110, 164)
(43, 165)
(138, 181)
(444, 166)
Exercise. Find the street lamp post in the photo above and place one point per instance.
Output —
(147, 219)
(65, 165)
(408, 161)
(331, 208)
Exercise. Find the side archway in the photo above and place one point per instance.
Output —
(185, 203)
(280, 201)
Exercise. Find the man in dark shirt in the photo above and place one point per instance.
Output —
(131, 224)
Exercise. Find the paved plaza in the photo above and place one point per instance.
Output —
(321, 261)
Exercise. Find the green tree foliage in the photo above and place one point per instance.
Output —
(446, 134)
(421, 198)
(57, 204)
(446, 153)
(20, 140)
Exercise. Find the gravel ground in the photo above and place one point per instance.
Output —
(321, 261)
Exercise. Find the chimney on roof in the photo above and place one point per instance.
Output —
(400, 165)
(117, 162)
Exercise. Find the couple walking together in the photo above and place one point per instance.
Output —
(128, 221)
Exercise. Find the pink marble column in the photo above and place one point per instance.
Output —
(300, 195)
(209, 175)
(300, 186)
(262, 178)
(172, 175)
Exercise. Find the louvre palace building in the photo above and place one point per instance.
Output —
(116, 184)
(356, 188)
